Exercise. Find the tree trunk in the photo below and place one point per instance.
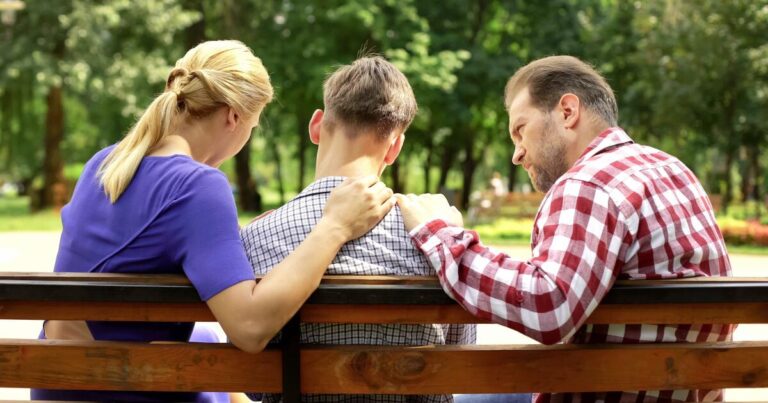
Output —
(428, 165)
(468, 167)
(6, 137)
(248, 191)
(449, 153)
(54, 192)
(301, 121)
(279, 170)
(756, 173)
(746, 174)
(394, 170)
(512, 177)
(754, 192)
(728, 191)
(750, 174)
(195, 33)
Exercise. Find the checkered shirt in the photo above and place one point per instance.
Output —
(385, 250)
(622, 211)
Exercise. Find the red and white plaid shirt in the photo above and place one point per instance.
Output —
(622, 211)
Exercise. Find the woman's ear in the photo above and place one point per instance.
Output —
(233, 118)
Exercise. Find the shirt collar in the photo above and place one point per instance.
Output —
(609, 138)
(320, 186)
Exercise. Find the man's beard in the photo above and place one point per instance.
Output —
(551, 159)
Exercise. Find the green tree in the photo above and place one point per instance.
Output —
(109, 55)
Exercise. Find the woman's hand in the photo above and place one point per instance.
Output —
(427, 207)
(356, 206)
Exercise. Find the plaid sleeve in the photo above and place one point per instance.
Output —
(578, 239)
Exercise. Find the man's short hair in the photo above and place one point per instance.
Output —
(369, 94)
(547, 79)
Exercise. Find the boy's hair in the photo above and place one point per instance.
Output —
(369, 94)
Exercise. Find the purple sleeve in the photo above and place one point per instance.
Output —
(207, 235)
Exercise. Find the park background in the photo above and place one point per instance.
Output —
(691, 78)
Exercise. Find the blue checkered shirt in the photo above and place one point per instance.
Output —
(385, 250)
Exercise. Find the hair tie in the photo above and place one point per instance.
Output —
(175, 73)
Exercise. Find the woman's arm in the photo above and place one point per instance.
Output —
(252, 314)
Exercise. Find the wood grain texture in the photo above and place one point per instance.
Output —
(562, 368)
(745, 312)
(177, 279)
(95, 365)
(397, 370)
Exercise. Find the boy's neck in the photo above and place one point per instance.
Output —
(341, 155)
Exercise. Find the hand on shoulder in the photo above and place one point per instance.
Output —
(357, 205)
(420, 209)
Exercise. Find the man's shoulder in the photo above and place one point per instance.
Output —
(621, 166)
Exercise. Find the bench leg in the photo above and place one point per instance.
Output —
(292, 361)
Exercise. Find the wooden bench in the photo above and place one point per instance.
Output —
(293, 368)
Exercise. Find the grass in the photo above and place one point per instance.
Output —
(504, 231)
(15, 216)
(516, 232)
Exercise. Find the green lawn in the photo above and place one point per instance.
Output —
(15, 216)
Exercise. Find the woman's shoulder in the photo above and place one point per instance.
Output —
(189, 174)
(163, 179)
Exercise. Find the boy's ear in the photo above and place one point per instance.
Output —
(315, 124)
(395, 146)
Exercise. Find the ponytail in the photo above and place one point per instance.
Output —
(211, 75)
(121, 164)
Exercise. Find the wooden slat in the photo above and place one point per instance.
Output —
(386, 314)
(742, 312)
(370, 369)
(177, 279)
(748, 312)
(108, 311)
(692, 280)
(198, 312)
(159, 279)
(354, 290)
(57, 364)
(563, 368)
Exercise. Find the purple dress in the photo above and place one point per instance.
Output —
(176, 216)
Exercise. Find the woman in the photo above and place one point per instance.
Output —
(155, 203)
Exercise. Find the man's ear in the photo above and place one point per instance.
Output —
(315, 124)
(569, 109)
(233, 118)
(395, 146)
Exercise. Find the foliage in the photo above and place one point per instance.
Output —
(690, 77)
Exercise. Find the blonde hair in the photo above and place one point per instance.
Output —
(211, 75)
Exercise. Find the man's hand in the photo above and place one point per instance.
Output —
(420, 209)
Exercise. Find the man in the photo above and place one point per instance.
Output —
(368, 106)
(613, 209)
